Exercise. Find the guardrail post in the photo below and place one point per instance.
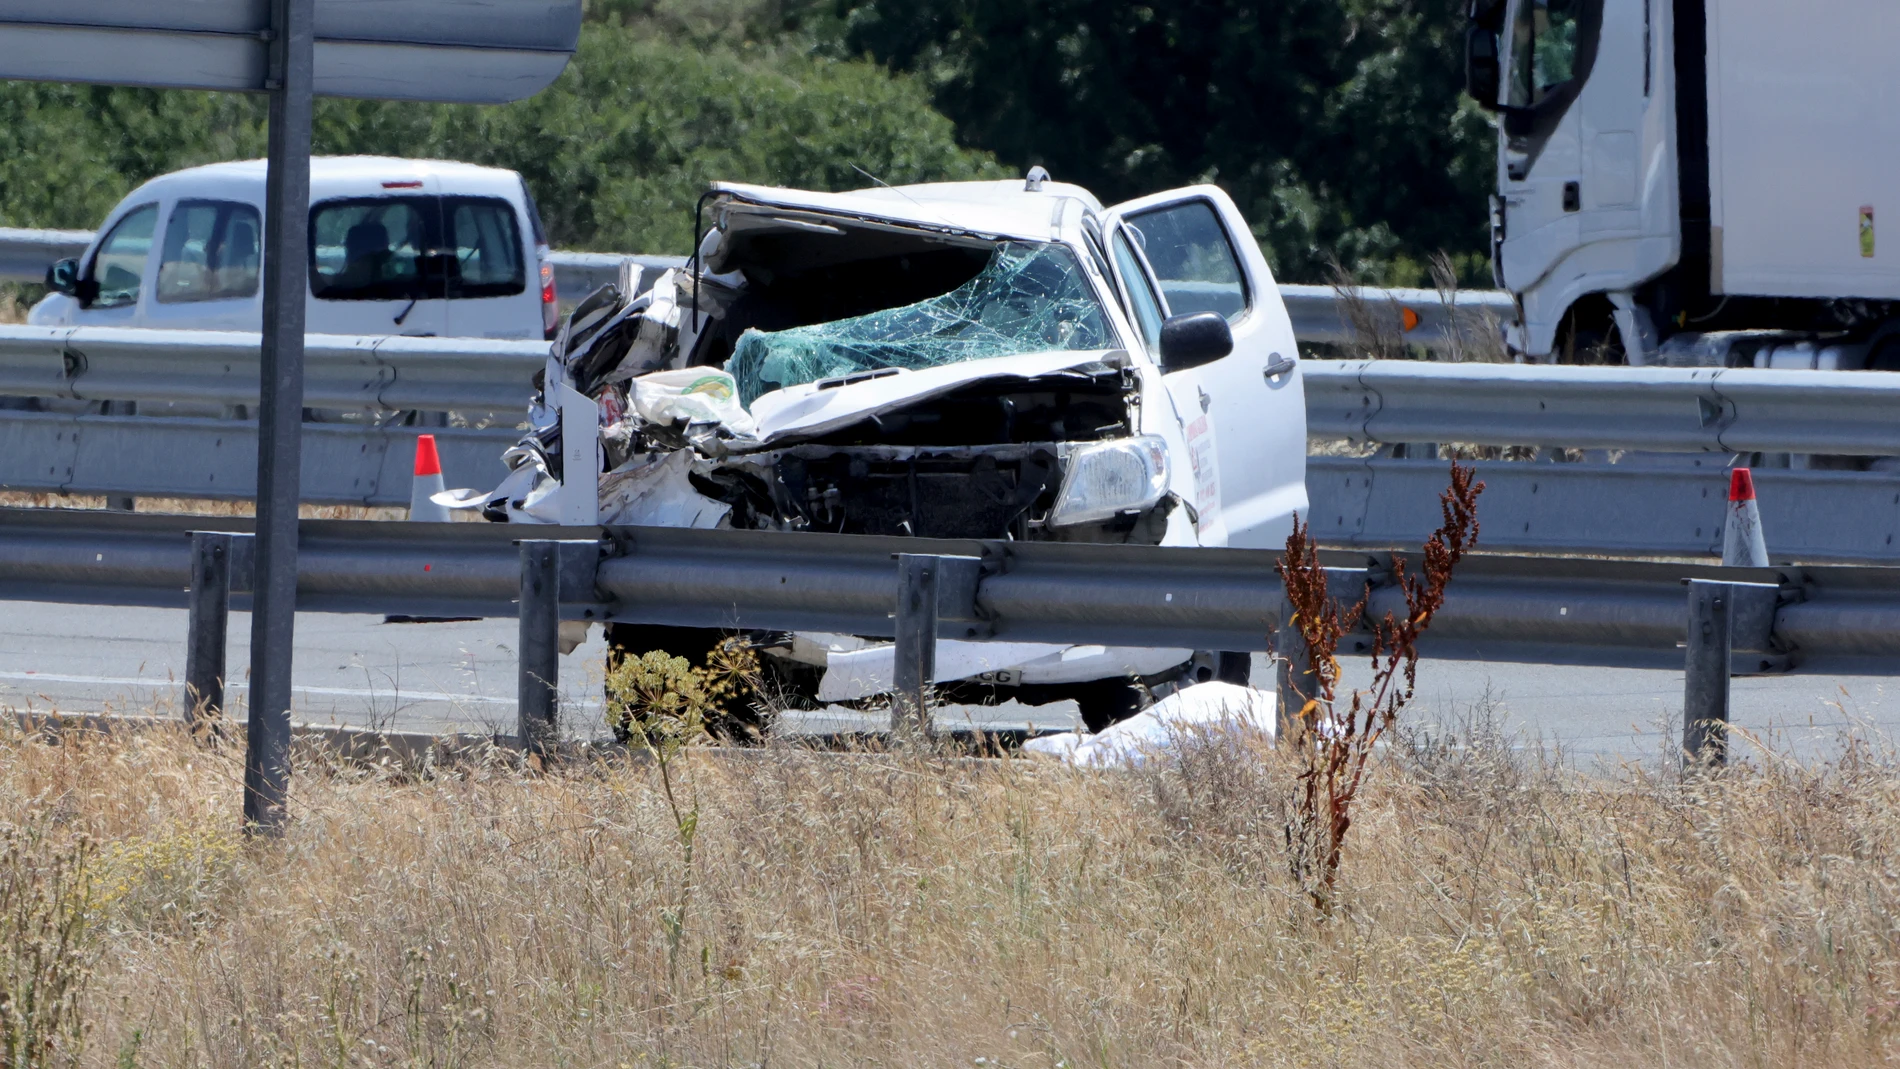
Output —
(552, 572)
(538, 697)
(1705, 673)
(916, 653)
(220, 560)
(120, 502)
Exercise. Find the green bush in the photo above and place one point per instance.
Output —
(616, 151)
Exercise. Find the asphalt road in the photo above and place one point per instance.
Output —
(441, 676)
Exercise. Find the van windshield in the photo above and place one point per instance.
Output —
(415, 248)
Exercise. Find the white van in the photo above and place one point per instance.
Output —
(416, 247)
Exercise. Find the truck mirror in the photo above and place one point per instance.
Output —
(1194, 339)
(1483, 74)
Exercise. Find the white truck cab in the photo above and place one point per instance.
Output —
(415, 247)
(1695, 182)
(1005, 361)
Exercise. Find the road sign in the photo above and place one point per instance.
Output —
(466, 51)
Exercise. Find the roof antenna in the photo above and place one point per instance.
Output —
(896, 190)
(1032, 183)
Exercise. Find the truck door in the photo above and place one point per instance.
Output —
(1244, 415)
(1586, 175)
(1539, 173)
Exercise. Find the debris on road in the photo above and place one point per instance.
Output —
(1207, 713)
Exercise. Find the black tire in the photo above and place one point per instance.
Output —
(1106, 702)
(1588, 334)
(1235, 668)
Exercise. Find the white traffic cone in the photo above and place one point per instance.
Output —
(428, 483)
(1742, 543)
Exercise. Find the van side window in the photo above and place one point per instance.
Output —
(415, 248)
(119, 267)
(211, 252)
(487, 245)
(370, 249)
(1192, 259)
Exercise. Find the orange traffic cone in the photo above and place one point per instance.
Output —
(428, 483)
(1742, 542)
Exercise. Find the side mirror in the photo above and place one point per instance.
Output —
(1484, 75)
(1194, 339)
(63, 277)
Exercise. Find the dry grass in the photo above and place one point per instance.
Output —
(15, 301)
(852, 910)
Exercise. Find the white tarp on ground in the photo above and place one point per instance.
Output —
(1203, 713)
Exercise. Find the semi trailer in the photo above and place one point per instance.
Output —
(1695, 182)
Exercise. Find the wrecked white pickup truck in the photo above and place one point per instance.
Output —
(996, 360)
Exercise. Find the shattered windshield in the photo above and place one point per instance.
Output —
(1029, 299)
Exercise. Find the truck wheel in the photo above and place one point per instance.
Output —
(1588, 334)
(1106, 702)
(1235, 668)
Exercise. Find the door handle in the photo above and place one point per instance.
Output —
(1277, 366)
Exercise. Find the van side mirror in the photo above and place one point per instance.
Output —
(63, 277)
(1484, 75)
(1194, 339)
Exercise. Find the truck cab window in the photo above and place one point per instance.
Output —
(1193, 259)
(1544, 39)
(1148, 313)
(119, 267)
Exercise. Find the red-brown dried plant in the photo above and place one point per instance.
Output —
(1335, 737)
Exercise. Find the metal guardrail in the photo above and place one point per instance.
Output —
(221, 367)
(137, 456)
(1325, 315)
(1620, 510)
(1047, 591)
(1320, 314)
(1597, 611)
(1724, 410)
(26, 254)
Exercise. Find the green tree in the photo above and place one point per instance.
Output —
(1337, 126)
(616, 151)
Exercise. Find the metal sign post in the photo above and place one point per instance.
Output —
(458, 51)
(280, 412)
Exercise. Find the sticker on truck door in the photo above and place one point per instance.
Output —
(1200, 443)
(1867, 231)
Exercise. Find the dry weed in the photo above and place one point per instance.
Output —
(906, 910)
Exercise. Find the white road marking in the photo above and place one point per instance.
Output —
(338, 692)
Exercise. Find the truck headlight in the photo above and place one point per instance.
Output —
(1109, 478)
